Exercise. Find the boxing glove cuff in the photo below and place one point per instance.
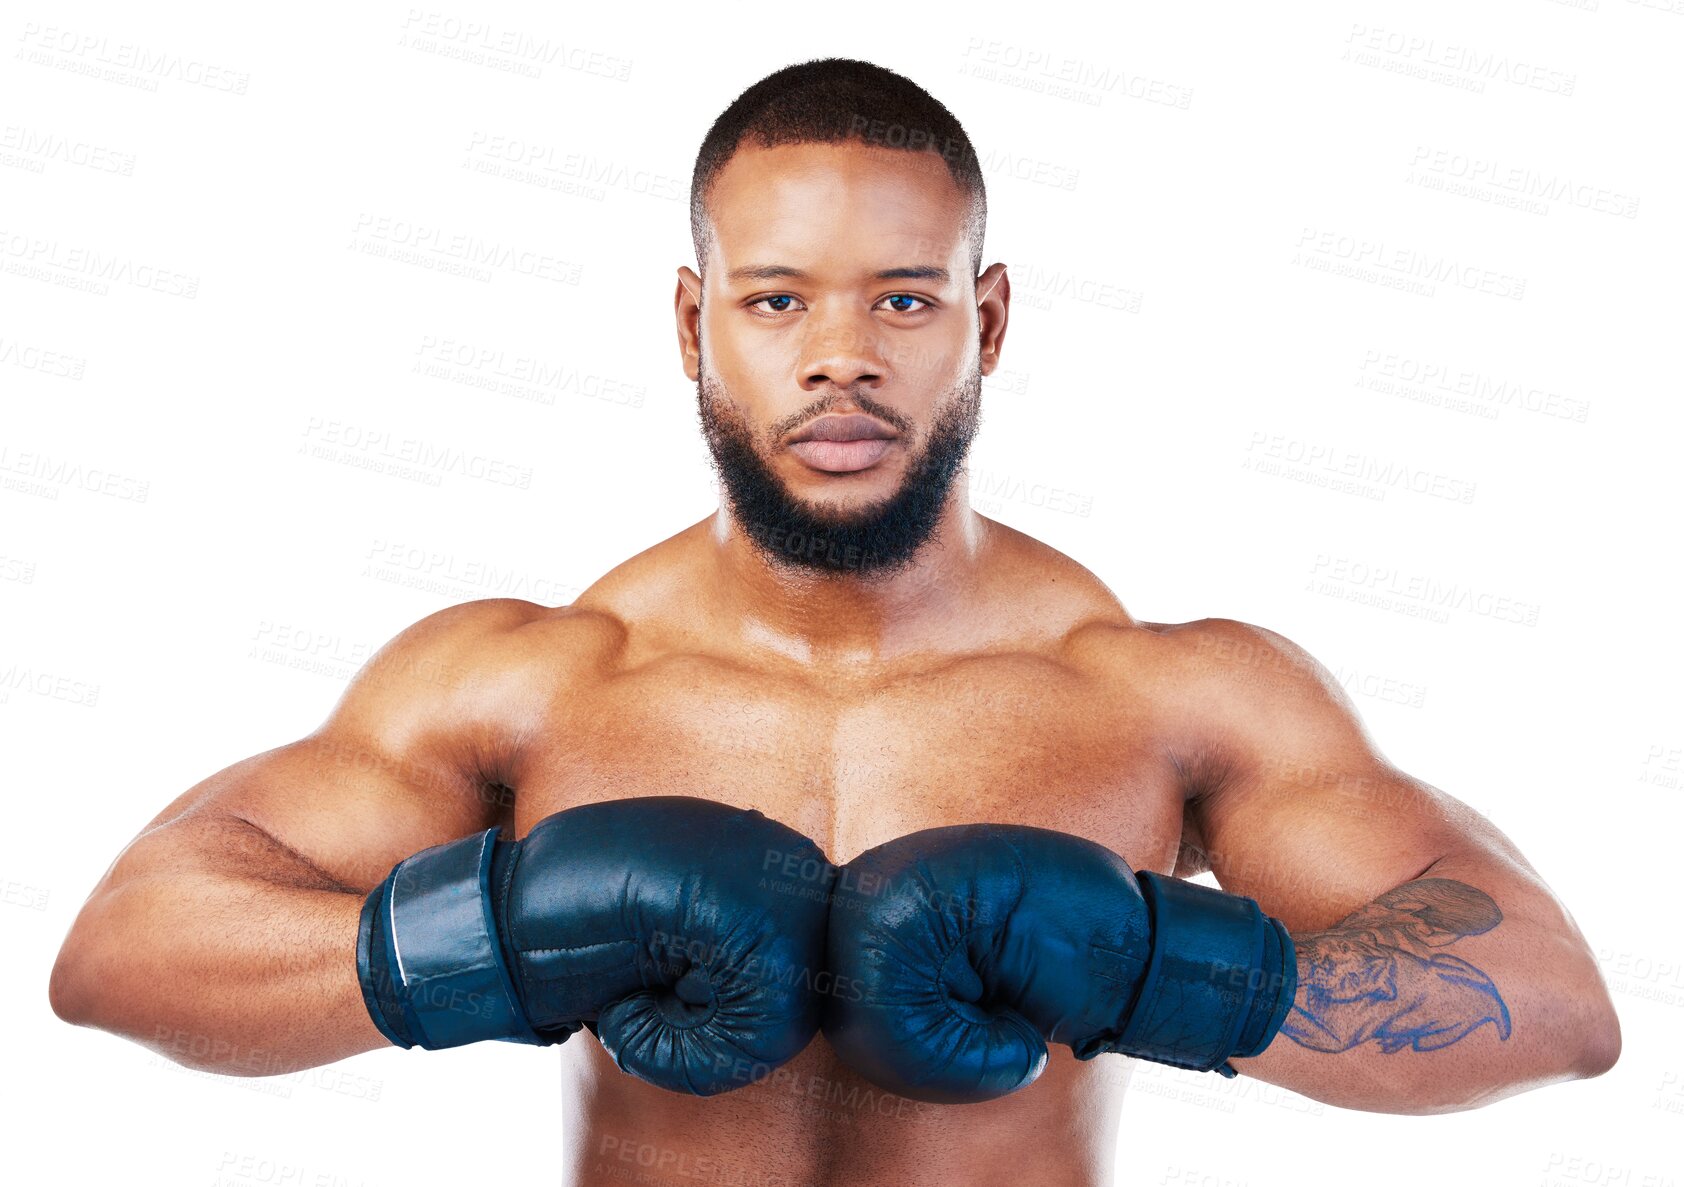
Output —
(430, 957)
(1220, 981)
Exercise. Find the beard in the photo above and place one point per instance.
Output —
(869, 542)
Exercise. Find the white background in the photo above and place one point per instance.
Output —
(1254, 253)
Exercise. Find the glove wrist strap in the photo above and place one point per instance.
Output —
(374, 970)
(429, 955)
(1221, 978)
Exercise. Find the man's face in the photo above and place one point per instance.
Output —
(887, 364)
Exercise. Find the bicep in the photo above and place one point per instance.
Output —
(397, 766)
(1315, 844)
(1306, 817)
(340, 805)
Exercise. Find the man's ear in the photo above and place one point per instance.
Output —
(993, 306)
(687, 308)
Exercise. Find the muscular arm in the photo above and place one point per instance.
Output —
(224, 935)
(1437, 971)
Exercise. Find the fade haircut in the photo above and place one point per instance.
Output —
(827, 101)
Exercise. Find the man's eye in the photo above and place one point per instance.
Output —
(780, 303)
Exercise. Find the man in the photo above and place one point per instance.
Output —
(846, 646)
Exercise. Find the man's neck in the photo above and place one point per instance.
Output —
(835, 617)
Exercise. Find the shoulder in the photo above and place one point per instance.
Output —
(1208, 656)
(466, 665)
(478, 634)
(1242, 659)
(1220, 692)
(471, 683)
(1252, 676)
(1238, 697)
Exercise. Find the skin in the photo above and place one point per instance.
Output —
(992, 679)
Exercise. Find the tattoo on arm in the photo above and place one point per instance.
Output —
(1373, 977)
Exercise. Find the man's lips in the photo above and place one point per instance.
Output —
(842, 444)
(842, 457)
(855, 426)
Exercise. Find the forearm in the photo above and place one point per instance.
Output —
(1451, 991)
(241, 963)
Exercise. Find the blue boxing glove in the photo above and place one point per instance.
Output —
(959, 953)
(685, 933)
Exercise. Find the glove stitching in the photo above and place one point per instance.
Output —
(964, 942)
(505, 924)
(577, 947)
(940, 989)
(1144, 1009)
(1117, 952)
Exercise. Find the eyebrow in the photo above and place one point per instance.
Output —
(784, 272)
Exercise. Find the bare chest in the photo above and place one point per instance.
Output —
(1016, 739)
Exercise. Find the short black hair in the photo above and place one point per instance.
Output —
(828, 100)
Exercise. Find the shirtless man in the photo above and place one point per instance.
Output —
(848, 647)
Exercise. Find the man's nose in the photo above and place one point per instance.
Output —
(842, 352)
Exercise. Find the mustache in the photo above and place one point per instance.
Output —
(868, 542)
(837, 399)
